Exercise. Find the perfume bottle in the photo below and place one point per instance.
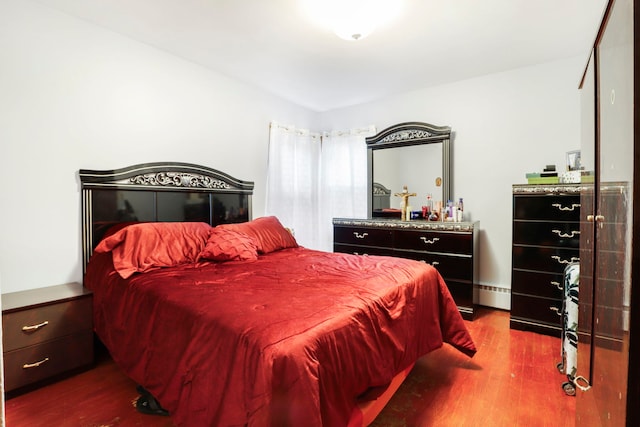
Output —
(459, 213)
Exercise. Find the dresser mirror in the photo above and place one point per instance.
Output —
(414, 154)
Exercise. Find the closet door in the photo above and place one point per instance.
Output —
(611, 258)
(587, 227)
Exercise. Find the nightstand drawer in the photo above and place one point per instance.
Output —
(46, 332)
(36, 325)
(34, 363)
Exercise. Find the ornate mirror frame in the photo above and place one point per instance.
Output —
(406, 134)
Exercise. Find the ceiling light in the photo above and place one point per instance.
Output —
(352, 19)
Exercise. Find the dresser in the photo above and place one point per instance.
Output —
(452, 248)
(45, 332)
(546, 238)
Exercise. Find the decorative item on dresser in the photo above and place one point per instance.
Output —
(46, 332)
(451, 247)
(546, 238)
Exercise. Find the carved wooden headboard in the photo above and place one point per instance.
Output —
(162, 191)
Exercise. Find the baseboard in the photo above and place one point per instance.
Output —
(493, 296)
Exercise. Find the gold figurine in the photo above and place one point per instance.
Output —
(405, 216)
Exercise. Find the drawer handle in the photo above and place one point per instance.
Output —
(556, 309)
(32, 328)
(564, 261)
(356, 253)
(565, 235)
(557, 285)
(429, 242)
(434, 263)
(566, 208)
(35, 365)
(360, 236)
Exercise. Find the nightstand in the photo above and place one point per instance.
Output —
(46, 332)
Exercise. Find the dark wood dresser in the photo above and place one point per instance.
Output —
(451, 247)
(46, 332)
(546, 238)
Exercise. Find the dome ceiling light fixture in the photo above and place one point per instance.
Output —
(352, 19)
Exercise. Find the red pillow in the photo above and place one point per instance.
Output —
(229, 245)
(152, 245)
(267, 232)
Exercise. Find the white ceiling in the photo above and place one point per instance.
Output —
(271, 44)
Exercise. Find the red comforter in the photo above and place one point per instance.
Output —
(291, 339)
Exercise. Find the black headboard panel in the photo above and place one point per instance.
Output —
(162, 191)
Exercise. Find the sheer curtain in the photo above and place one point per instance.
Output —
(293, 180)
(343, 179)
(312, 179)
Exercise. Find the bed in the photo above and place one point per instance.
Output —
(227, 321)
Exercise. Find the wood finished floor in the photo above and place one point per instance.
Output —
(512, 381)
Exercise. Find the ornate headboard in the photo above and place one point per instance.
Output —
(162, 191)
(381, 196)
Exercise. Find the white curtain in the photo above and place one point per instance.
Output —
(343, 179)
(293, 180)
(311, 180)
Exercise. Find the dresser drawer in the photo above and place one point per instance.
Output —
(459, 243)
(556, 207)
(449, 266)
(36, 325)
(462, 292)
(552, 260)
(449, 247)
(37, 362)
(362, 236)
(546, 285)
(361, 250)
(537, 310)
(562, 234)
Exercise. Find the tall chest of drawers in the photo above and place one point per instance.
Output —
(46, 332)
(546, 238)
(450, 247)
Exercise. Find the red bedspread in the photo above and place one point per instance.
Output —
(290, 339)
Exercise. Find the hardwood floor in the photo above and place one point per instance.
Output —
(512, 381)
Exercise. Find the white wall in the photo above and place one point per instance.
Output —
(75, 96)
(504, 126)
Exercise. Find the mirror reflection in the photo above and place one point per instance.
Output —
(419, 167)
(411, 155)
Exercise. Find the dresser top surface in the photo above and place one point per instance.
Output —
(546, 188)
(409, 225)
(42, 296)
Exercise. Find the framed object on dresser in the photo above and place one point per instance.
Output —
(546, 238)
